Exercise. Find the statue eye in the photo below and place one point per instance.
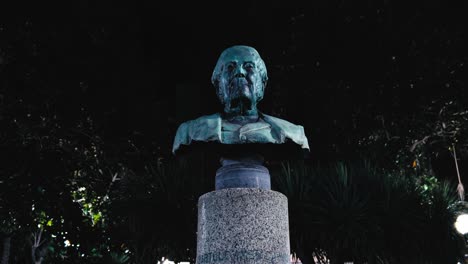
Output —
(230, 67)
(249, 66)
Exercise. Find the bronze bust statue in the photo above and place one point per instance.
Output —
(240, 77)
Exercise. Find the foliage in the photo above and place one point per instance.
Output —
(351, 206)
(158, 210)
(430, 132)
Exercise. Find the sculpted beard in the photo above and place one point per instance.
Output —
(241, 95)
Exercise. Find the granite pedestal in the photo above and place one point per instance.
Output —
(246, 225)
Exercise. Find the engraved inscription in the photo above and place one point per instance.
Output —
(243, 257)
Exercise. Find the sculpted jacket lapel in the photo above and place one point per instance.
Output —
(206, 128)
(287, 130)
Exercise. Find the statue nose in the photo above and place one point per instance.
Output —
(240, 72)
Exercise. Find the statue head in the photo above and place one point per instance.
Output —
(240, 77)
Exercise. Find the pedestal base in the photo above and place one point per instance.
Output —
(243, 226)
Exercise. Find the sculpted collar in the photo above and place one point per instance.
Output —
(208, 128)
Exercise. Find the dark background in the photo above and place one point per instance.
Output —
(339, 68)
(92, 92)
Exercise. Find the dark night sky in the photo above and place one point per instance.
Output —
(329, 62)
(91, 84)
(146, 66)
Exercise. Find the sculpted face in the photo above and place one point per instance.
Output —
(240, 78)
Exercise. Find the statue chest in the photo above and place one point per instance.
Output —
(258, 132)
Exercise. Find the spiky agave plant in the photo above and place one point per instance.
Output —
(344, 217)
(118, 258)
(331, 210)
(295, 179)
(357, 212)
(401, 218)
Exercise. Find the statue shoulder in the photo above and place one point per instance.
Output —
(282, 124)
(203, 128)
(287, 130)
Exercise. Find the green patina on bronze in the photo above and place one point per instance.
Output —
(240, 77)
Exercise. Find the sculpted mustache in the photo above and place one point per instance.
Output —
(233, 84)
(236, 79)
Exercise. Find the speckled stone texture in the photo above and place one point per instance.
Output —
(243, 226)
